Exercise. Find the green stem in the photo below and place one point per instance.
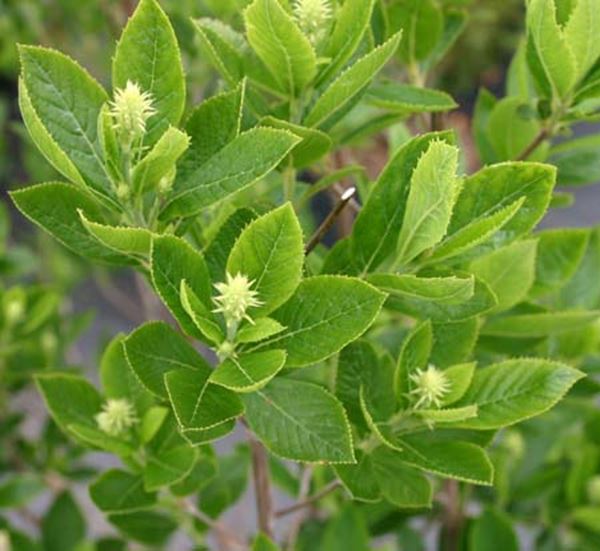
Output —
(289, 182)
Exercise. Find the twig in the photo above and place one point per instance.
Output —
(353, 204)
(453, 517)
(535, 143)
(221, 530)
(302, 495)
(262, 486)
(326, 490)
(330, 219)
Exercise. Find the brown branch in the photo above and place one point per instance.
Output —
(535, 143)
(262, 486)
(223, 533)
(452, 522)
(327, 224)
(325, 491)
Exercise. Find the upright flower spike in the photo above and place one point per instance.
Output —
(313, 16)
(430, 386)
(130, 111)
(235, 297)
(117, 416)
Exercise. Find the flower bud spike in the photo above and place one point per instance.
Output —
(130, 110)
(116, 417)
(429, 387)
(235, 298)
(313, 16)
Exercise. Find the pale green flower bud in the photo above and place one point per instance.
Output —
(235, 297)
(593, 490)
(14, 310)
(117, 416)
(123, 192)
(313, 17)
(429, 386)
(130, 111)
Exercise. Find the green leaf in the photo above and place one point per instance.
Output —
(347, 531)
(483, 109)
(18, 490)
(514, 390)
(145, 526)
(509, 272)
(453, 342)
(118, 379)
(356, 363)
(217, 252)
(444, 290)
(117, 491)
(349, 84)
(459, 460)
(202, 317)
(375, 232)
(160, 160)
(470, 236)
(359, 479)
(581, 33)
(414, 355)
(460, 377)
(313, 146)
(408, 99)
(241, 163)
(434, 188)
(151, 423)
(351, 22)
(281, 45)
(70, 399)
(539, 325)
(261, 329)
(263, 543)
(63, 527)
(287, 415)
(448, 416)
(156, 348)
(583, 289)
(249, 372)
(494, 188)
(577, 161)
(211, 126)
(550, 56)
(148, 55)
(493, 529)
(400, 484)
(67, 102)
(44, 141)
(199, 437)
(172, 261)
(134, 242)
(483, 300)
(53, 207)
(270, 252)
(168, 467)
(422, 23)
(198, 404)
(229, 484)
(203, 472)
(510, 131)
(559, 254)
(324, 314)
